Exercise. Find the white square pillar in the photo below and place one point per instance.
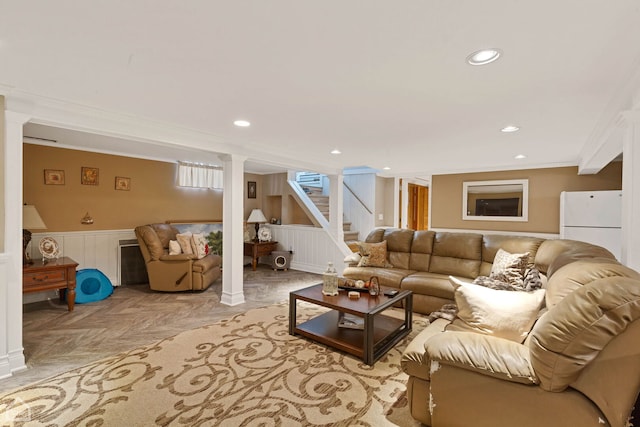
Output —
(232, 230)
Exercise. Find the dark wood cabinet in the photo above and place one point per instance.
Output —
(59, 273)
(257, 249)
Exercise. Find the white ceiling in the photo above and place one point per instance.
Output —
(385, 82)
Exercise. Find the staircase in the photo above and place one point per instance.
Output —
(322, 203)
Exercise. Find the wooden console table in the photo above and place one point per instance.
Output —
(59, 273)
(257, 249)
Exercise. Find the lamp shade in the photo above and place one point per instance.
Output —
(256, 217)
(31, 218)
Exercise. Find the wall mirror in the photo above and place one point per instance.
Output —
(504, 200)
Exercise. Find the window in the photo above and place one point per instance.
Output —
(199, 175)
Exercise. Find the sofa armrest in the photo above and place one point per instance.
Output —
(484, 354)
(415, 361)
(352, 259)
(179, 257)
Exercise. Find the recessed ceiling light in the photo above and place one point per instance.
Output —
(336, 151)
(510, 128)
(386, 168)
(484, 56)
(520, 157)
(242, 123)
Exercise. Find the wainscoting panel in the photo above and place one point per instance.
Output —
(90, 249)
(312, 247)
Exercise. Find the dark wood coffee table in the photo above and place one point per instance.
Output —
(381, 332)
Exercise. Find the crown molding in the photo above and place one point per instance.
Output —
(73, 116)
(605, 142)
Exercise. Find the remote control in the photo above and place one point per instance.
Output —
(391, 293)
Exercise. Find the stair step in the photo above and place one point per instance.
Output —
(350, 235)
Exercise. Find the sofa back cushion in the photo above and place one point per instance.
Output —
(166, 233)
(456, 254)
(399, 246)
(375, 235)
(151, 243)
(491, 243)
(579, 273)
(552, 251)
(421, 250)
(572, 333)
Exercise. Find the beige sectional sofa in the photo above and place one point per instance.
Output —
(422, 261)
(578, 365)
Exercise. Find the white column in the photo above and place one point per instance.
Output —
(232, 230)
(11, 351)
(396, 202)
(405, 203)
(336, 205)
(631, 191)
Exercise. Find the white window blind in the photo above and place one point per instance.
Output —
(199, 175)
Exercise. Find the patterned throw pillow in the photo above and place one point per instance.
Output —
(532, 280)
(174, 247)
(509, 268)
(373, 255)
(201, 247)
(185, 242)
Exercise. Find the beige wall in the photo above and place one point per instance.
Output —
(154, 196)
(545, 186)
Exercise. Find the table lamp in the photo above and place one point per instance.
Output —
(256, 217)
(30, 219)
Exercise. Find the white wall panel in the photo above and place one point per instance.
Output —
(312, 247)
(90, 249)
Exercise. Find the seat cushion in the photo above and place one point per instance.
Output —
(424, 283)
(207, 263)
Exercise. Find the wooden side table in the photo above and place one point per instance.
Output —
(257, 249)
(59, 273)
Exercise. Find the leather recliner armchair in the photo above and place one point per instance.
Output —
(172, 273)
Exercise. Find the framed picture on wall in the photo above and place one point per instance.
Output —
(53, 177)
(89, 176)
(251, 189)
(123, 183)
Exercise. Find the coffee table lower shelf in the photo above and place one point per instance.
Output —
(324, 329)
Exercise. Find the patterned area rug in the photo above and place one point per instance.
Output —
(245, 371)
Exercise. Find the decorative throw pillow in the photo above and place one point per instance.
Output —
(509, 268)
(532, 279)
(352, 258)
(490, 283)
(184, 240)
(373, 255)
(504, 314)
(201, 247)
(174, 247)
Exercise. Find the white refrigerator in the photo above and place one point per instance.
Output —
(593, 217)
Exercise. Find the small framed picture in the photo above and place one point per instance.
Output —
(53, 177)
(89, 176)
(251, 189)
(123, 183)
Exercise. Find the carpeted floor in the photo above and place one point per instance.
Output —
(246, 370)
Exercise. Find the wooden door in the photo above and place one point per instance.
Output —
(418, 209)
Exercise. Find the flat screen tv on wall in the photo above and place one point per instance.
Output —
(497, 207)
